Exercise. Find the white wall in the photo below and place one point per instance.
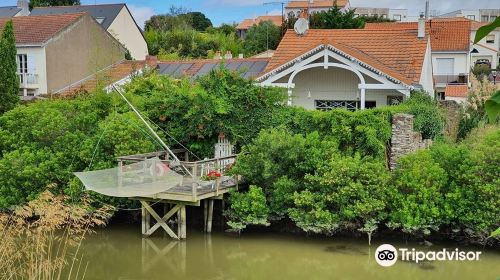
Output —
(124, 30)
(402, 12)
(333, 84)
(460, 62)
(426, 77)
(37, 54)
(485, 53)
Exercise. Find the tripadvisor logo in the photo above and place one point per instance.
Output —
(387, 255)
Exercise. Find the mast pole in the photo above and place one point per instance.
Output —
(150, 129)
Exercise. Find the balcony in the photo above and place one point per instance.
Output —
(443, 80)
(28, 80)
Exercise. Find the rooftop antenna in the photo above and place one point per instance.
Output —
(427, 10)
(282, 3)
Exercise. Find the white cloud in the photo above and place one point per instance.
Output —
(141, 14)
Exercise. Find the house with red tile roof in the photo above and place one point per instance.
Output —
(58, 50)
(488, 49)
(243, 27)
(114, 18)
(351, 68)
(450, 40)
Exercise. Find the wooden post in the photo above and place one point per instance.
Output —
(182, 223)
(210, 215)
(148, 220)
(205, 214)
(143, 219)
(120, 170)
(194, 185)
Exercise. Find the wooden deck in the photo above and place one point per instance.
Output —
(194, 189)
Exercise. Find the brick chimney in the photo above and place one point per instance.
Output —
(228, 55)
(421, 27)
(152, 61)
(24, 6)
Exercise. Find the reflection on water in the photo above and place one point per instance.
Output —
(121, 253)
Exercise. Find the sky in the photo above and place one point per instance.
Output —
(230, 11)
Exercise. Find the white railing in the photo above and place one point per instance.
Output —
(28, 80)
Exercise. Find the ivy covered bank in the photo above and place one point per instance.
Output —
(323, 172)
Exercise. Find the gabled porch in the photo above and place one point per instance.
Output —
(326, 78)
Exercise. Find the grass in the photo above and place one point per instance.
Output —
(41, 240)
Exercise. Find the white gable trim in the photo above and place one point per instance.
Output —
(326, 51)
(299, 64)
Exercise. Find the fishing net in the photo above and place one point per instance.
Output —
(144, 178)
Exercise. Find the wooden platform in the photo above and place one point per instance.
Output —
(194, 189)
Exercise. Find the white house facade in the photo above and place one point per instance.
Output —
(351, 69)
(450, 48)
(45, 63)
(487, 49)
(115, 18)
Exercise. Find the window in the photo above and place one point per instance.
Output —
(327, 105)
(397, 17)
(22, 63)
(100, 20)
(440, 96)
(484, 18)
(493, 18)
(445, 66)
(490, 39)
(471, 17)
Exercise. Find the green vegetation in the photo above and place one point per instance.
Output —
(9, 82)
(325, 172)
(336, 18)
(47, 3)
(261, 37)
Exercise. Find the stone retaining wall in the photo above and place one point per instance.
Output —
(404, 140)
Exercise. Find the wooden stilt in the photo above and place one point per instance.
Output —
(160, 221)
(210, 215)
(183, 222)
(205, 215)
(143, 219)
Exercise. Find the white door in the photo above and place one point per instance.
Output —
(445, 66)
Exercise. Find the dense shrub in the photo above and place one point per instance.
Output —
(416, 194)
(350, 191)
(248, 208)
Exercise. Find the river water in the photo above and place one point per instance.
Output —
(119, 252)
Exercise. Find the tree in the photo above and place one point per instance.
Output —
(9, 83)
(199, 21)
(262, 37)
(334, 18)
(48, 3)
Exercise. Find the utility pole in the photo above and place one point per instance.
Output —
(282, 3)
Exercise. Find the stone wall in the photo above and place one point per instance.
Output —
(404, 140)
(452, 111)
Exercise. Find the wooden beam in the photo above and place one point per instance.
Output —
(159, 221)
(210, 215)
(182, 222)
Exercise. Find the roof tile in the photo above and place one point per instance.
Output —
(247, 23)
(401, 58)
(36, 30)
(447, 34)
(456, 90)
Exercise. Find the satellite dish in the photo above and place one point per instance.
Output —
(301, 26)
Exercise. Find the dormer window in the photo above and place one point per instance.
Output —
(490, 39)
